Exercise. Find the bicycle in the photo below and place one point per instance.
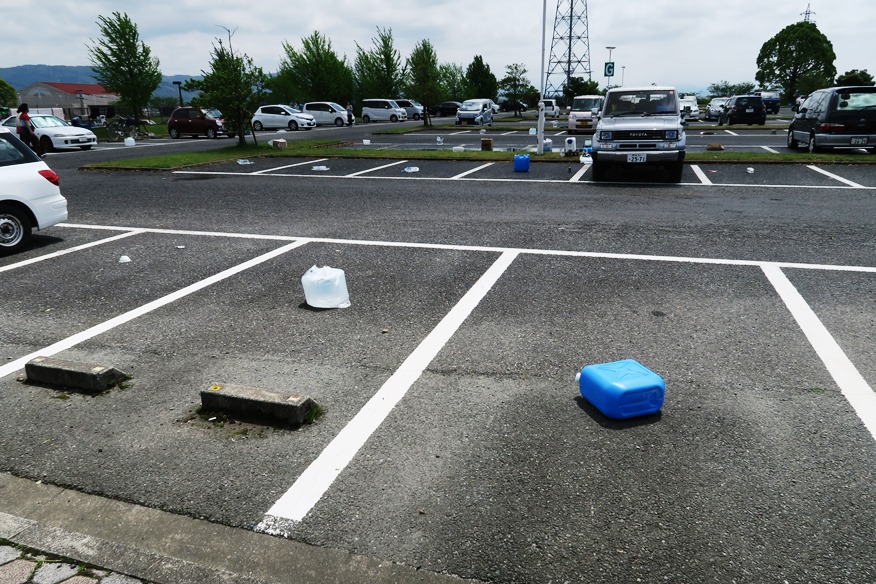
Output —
(121, 128)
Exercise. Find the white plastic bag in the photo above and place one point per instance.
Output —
(325, 287)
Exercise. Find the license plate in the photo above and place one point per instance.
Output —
(859, 141)
(749, 110)
(637, 157)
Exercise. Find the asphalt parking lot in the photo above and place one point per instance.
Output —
(454, 438)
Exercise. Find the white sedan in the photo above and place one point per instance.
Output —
(54, 133)
(30, 197)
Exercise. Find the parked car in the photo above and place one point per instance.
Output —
(690, 107)
(54, 133)
(382, 110)
(639, 127)
(739, 109)
(837, 117)
(551, 109)
(30, 196)
(196, 121)
(494, 106)
(326, 113)
(771, 101)
(583, 113)
(713, 109)
(446, 108)
(476, 112)
(281, 116)
(412, 107)
(511, 106)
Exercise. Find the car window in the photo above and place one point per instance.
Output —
(852, 101)
(10, 121)
(13, 151)
(47, 122)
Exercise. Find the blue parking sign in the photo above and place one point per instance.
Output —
(609, 69)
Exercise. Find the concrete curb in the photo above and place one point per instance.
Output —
(171, 549)
(72, 374)
(258, 404)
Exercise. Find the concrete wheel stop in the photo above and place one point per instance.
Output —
(256, 404)
(60, 373)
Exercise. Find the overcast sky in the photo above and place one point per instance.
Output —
(686, 43)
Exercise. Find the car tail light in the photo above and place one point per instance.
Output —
(831, 128)
(50, 176)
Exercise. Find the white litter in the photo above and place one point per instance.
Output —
(325, 287)
(458, 148)
(439, 140)
(244, 161)
(366, 142)
(532, 131)
(180, 247)
(483, 131)
(124, 260)
(749, 170)
(411, 169)
(320, 168)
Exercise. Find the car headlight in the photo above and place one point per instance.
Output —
(672, 134)
(606, 135)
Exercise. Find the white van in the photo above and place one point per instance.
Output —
(382, 110)
(478, 112)
(326, 113)
(551, 109)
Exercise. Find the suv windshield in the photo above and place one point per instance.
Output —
(585, 104)
(212, 113)
(471, 105)
(642, 103)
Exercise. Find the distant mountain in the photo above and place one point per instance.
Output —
(21, 76)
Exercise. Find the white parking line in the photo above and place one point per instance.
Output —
(460, 132)
(367, 170)
(731, 133)
(509, 133)
(771, 150)
(121, 319)
(316, 479)
(853, 386)
(701, 175)
(56, 254)
(289, 166)
(580, 173)
(472, 171)
(835, 177)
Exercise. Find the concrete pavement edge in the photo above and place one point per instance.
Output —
(163, 547)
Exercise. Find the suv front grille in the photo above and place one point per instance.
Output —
(640, 135)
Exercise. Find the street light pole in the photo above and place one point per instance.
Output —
(623, 74)
(540, 125)
(179, 88)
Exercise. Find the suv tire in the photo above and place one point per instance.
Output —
(258, 126)
(174, 133)
(793, 144)
(211, 133)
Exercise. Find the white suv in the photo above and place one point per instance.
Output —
(640, 126)
(382, 110)
(478, 112)
(326, 113)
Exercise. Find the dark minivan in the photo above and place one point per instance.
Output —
(838, 117)
(743, 109)
(195, 121)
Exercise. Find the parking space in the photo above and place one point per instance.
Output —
(571, 169)
(450, 402)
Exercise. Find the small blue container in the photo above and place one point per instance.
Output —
(521, 163)
(622, 389)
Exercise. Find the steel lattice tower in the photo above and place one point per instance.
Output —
(570, 47)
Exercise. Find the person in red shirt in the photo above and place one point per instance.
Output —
(24, 128)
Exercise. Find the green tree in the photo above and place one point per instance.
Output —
(8, 97)
(515, 84)
(797, 51)
(315, 73)
(423, 82)
(726, 89)
(123, 64)
(577, 86)
(234, 85)
(451, 78)
(855, 77)
(481, 81)
(379, 72)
